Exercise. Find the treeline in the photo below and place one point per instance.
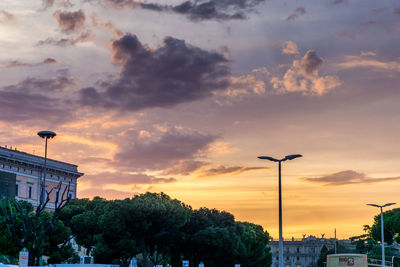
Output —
(158, 229)
(368, 243)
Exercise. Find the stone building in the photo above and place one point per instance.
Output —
(21, 173)
(300, 253)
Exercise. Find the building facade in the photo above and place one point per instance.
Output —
(21, 174)
(300, 253)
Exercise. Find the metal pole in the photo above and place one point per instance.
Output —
(383, 241)
(335, 242)
(280, 220)
(44, 173)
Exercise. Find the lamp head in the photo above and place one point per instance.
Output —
(269, 158)
(388, 204)
(46, 134)
(290, 157)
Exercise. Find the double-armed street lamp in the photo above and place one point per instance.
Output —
(45, 135)
(289, 157)
(382, 238)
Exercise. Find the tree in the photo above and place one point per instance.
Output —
(391, 223)
(115, 243)
(56, 243)
(152, 218)
(322, 256)
(82, 216)
(27, 229)
(40, 232)
(255, 241)
(212, 236)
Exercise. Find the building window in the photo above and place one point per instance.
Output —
(298, 250)
(30, 188)
(17, 189)
(70, 195)
(298, 258)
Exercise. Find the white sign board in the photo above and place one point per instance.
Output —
(185, 263)
(23, 257)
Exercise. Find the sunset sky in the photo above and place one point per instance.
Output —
(182, 96)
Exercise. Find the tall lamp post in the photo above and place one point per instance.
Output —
(289, 157)
(45, 135)
(383, 241)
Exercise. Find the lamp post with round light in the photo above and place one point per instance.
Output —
(382, 236)
(289, 157)
(45, 135)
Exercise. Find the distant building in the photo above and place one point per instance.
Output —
(300, 253)
(20, 175)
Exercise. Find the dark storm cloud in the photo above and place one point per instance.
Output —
(84, 37)
(31, 100)
(348, 177)
(73, 21)
(220, 170)
(296, 13)
(174, 73)
(124, 179)
(33, 85)
(168, 150)
(197, 10)
(209, 9)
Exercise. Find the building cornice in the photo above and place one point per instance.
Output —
(36, 162)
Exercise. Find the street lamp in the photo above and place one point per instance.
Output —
(383, 241)
(45, 135)
(289, 157)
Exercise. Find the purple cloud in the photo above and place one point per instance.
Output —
(160, 154)
(221, 169)
(69, 22)
(84, 37)
(169, 75)
(198, 10)
(124, 179)
(347, 177)
(31, 99)
(296, 13)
